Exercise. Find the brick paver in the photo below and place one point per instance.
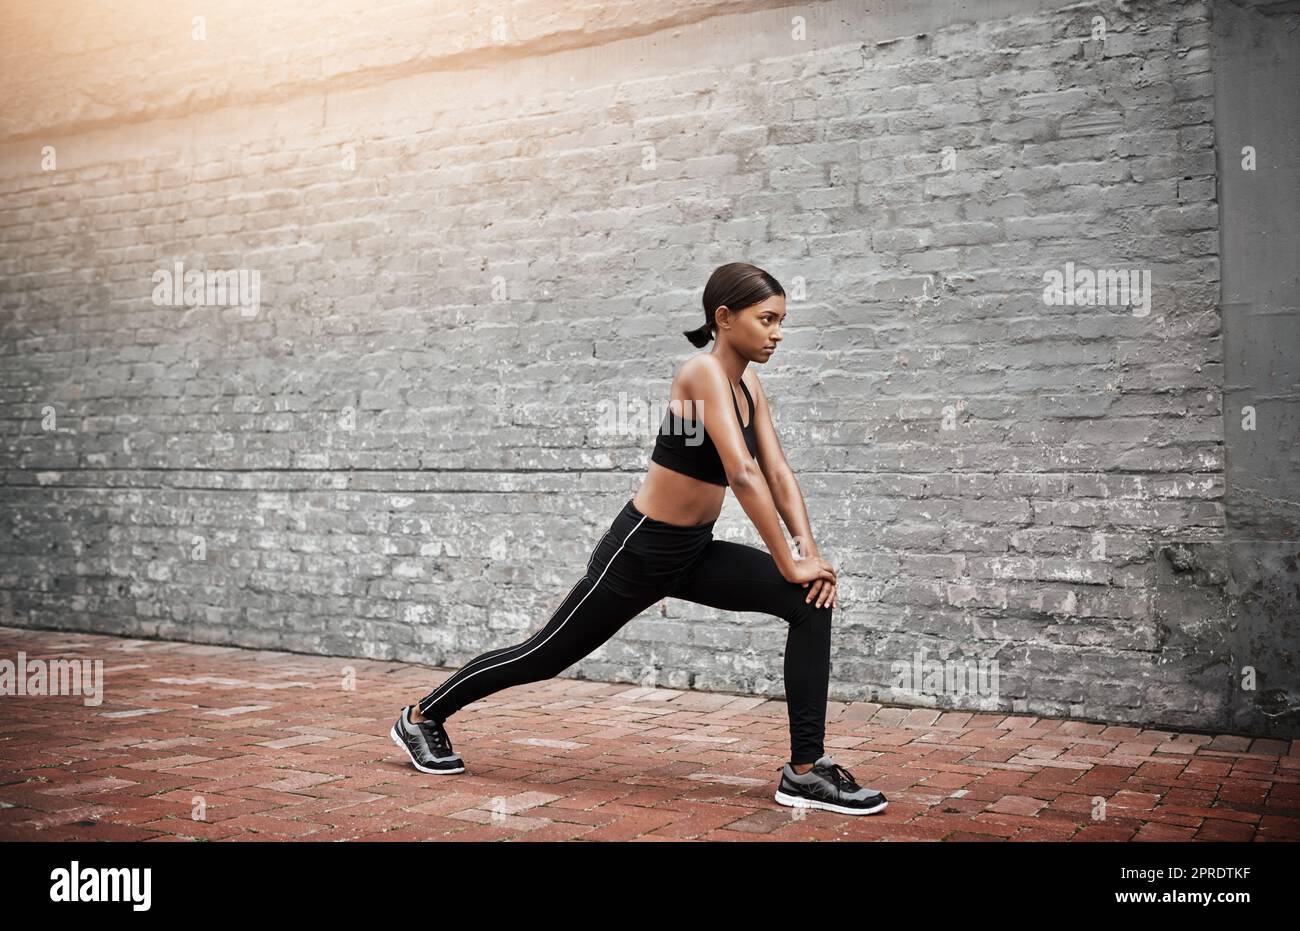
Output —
(217, 743)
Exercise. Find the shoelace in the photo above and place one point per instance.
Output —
(841, 777)
(435, 734)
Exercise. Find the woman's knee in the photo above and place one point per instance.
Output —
(802, 611)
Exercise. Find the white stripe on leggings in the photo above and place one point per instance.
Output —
(491, 654)
(509, 659)
(433, 696)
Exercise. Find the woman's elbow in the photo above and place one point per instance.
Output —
(747, 474)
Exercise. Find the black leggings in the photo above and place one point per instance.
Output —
(638, 562)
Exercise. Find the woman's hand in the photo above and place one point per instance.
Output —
(810, 569)
(824, 592)
(823, 582)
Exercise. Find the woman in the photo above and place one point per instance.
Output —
(661, 545)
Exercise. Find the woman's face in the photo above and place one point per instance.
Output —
(756, 330)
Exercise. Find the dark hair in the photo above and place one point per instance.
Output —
(736, 285)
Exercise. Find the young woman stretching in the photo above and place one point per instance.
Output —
(661, 545)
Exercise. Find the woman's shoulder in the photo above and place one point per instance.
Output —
(703, 358)
(694, 366)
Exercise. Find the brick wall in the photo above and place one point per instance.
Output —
(470, 245)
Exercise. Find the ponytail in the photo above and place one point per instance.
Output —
(700, 336)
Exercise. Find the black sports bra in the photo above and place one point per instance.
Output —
(699, 459)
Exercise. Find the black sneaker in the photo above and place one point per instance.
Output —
(427, 744)
(830, 786)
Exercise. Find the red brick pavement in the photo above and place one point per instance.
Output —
(219, 743)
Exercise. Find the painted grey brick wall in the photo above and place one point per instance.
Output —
(401, 454)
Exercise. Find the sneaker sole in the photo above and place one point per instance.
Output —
(416, 763)
(798, 801)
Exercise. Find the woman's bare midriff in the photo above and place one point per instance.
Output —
(674, 498)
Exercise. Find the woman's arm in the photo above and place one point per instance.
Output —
(788, 497)
(794, 511)
(786, 493)
(707, 381)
